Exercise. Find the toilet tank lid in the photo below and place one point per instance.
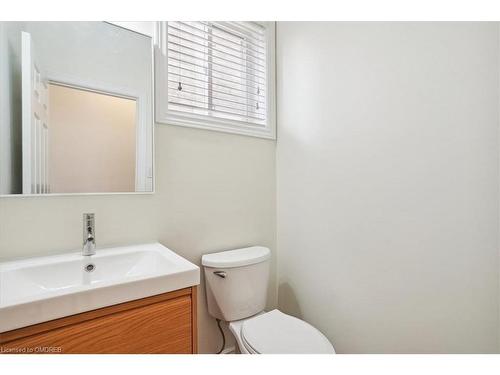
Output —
(236, 258)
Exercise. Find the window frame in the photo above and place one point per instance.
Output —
(165, 116)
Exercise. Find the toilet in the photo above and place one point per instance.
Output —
(236, 287)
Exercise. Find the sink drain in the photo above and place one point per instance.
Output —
(89, 267)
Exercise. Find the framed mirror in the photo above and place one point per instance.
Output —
(76, 108)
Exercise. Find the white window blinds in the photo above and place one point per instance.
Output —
(218, 71)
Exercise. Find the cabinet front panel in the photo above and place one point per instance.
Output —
(162, 327)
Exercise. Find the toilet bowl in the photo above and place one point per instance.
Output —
(236, 287)
(274, 332)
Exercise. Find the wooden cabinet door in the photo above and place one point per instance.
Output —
(162, 327)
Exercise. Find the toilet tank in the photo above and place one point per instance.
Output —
(236, 282)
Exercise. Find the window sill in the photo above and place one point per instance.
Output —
(232, 127)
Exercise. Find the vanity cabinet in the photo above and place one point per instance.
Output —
(165, 323)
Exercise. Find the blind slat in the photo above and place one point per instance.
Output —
(222, 66)
(203, 39)
(205, 105)
(240, 113)
(219, 98)
(208, 51)
(215, 77)
(182, 78)
(260, 49)
(255, 99)
(254, 40)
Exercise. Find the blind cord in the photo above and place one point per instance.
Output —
(223, 337)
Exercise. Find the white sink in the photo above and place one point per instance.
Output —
(40, 289)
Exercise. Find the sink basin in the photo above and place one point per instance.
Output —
(40, 289)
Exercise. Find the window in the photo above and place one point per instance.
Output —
(217, 75)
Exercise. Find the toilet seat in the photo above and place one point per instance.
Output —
(276, 333)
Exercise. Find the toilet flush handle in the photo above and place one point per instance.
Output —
(220, 274)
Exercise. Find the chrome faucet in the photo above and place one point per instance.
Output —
(88, 235)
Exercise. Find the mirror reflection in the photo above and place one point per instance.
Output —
(76, 108)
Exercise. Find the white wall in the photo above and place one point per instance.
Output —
(214, 191)
(388, 190)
